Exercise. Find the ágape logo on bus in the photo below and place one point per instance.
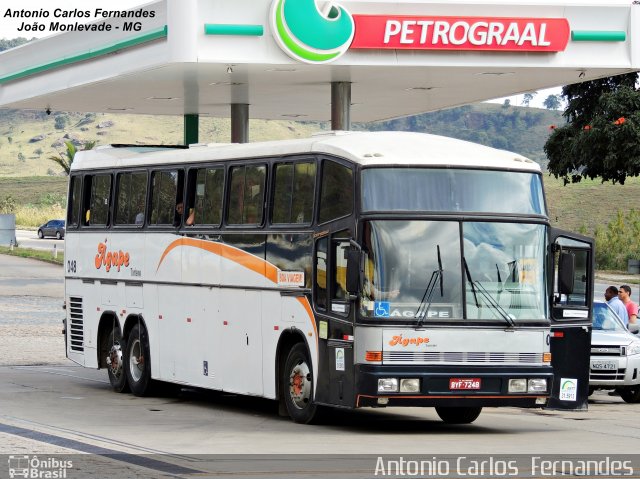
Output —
(108, 259)
(400, 340)
(310, 35)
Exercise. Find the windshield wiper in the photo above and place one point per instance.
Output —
(489, 299)
(436, 276)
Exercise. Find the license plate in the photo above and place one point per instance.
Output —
(605, 365)
(464, 383)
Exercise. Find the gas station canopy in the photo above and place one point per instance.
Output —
(280, 57)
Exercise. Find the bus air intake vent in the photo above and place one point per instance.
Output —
(76, 329)
(412, 357)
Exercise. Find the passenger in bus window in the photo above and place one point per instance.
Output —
(180, 210)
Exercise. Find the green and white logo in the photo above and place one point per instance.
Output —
(310, 34)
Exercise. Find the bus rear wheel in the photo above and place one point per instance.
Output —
(137, 361)
(458, 415)
(297, 385)
(115, 347)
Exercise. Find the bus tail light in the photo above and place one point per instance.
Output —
(373, 356)
(546, 357)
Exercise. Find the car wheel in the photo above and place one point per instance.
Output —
(58, 235)
(40, 234)
(630, 394)
(458, 415)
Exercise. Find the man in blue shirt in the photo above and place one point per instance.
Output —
(611, 295)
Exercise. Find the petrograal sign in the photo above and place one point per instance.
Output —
(461, 33)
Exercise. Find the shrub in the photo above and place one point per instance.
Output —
(35, 216)
(619, 241)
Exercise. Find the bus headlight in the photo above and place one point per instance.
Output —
(538, 385)
(409, 385)
(517, 385)
(388, 385)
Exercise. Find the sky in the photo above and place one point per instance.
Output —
(9, 27)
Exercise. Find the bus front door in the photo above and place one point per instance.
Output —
(571, 271)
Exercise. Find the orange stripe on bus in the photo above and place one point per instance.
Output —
(305, 304)
(240, 257)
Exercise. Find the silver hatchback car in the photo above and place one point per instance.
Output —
(615, 354)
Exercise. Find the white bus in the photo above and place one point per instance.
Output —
(347, 269)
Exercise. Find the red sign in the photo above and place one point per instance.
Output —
(464, 383)
(461, 33)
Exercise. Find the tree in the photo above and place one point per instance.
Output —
(526, 100)
(602, 134)
(65, 159)
(507, 103)
(552, 102)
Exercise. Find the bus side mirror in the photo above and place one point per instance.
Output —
(353, 270)
(566, 272)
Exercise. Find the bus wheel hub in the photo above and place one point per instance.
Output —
(114, 359)
(300, 385)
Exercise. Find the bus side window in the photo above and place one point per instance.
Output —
(131, 195)
(97, 193)
(321, 273)
(166, 194)
(75, 191)
(246, 198)
(204, 195)
(336, 193)
(294, 191)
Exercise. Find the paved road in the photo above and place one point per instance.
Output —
(31, 292)
(29, 239)
(53, 407)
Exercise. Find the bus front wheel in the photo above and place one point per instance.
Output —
(458, 415)
(115, 347)
(137, 361)
(297, 385)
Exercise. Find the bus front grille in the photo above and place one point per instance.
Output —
(412, 357)
(76, 328)
(612, 375)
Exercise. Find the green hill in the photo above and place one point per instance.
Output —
(519, 129)
(27, 138)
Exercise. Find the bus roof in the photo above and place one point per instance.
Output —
(364, 148)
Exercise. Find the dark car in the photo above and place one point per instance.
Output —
(52, 228)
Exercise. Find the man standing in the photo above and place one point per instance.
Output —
(624, 294)
(611, 295)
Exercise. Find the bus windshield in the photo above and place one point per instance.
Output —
(451, 190)
(417, 270)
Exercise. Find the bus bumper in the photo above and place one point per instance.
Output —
(438, 386)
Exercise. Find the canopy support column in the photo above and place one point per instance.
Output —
(191, 127)
(340, 105)
(239, 123)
